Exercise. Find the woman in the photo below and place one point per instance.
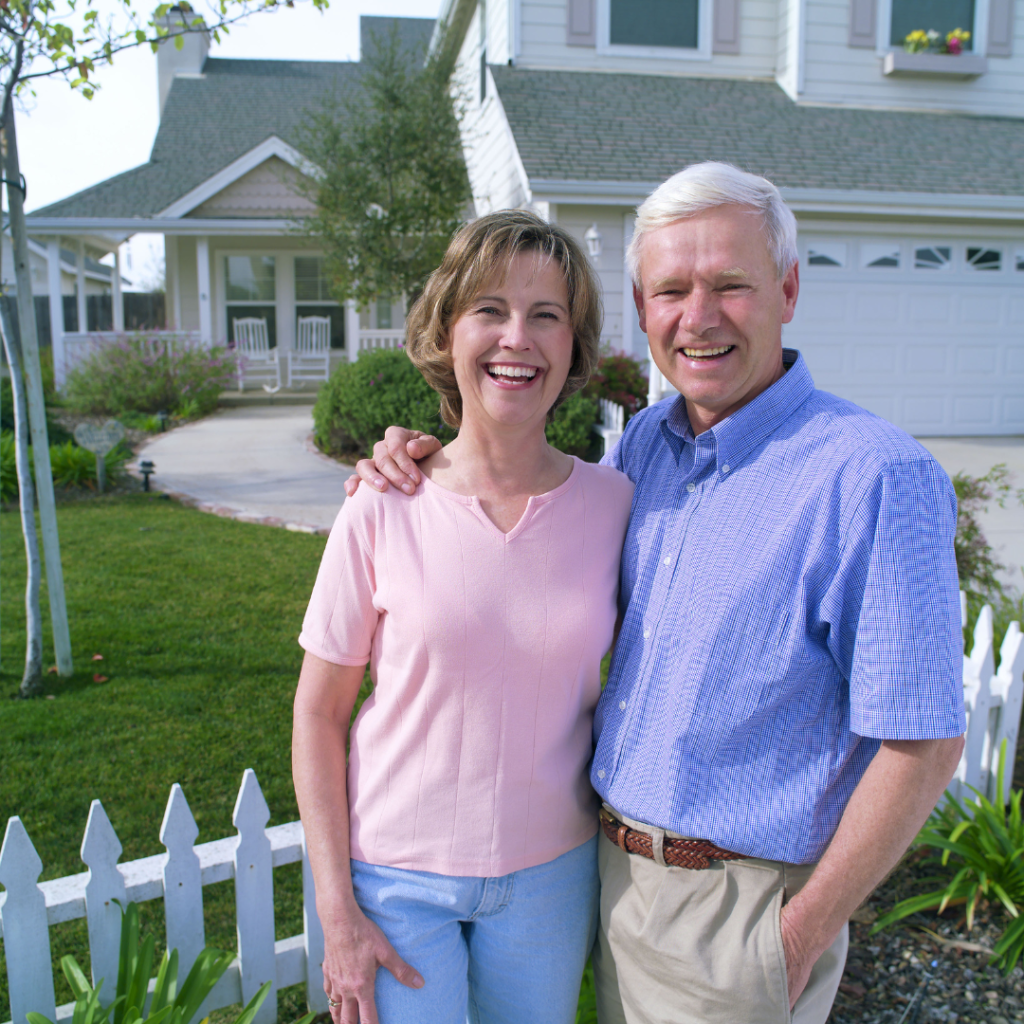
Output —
(464, 843)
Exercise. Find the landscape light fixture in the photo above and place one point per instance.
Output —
(146, 468)
(163, 418)
(593, 239)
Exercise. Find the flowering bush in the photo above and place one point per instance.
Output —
(920, 41)
(148, 372)
(621, 379)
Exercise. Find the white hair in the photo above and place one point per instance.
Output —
(704, 186)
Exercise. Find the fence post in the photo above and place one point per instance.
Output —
(100, 852)
(183, 882)
(254, 896)
(978, 670)
(316, 997)
(26, 932)
(1009, 684)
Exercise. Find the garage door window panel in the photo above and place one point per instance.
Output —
(979, 257)
(826, 254)
(880, 255)
(933, 257)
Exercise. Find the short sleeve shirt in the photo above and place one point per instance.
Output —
(789, 597)
(470, 756)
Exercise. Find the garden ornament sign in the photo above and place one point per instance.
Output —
(99, 440)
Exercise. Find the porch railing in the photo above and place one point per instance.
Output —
(78, 346)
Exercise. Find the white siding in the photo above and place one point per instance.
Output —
(491, 158)
(270, 190)
(576, 220)
(543, 46)
(837, 73)
(787, 42)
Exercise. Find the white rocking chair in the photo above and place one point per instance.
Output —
(311, 357)
(256, 359)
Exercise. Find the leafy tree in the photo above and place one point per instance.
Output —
(393, 186)
(68, 39)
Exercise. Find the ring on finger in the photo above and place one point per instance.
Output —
(331, 1003)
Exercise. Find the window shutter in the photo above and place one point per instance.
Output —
(581, 23)
(727, 27)
(1000, 28)
(863, 27)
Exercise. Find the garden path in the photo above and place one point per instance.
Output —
(254, 463)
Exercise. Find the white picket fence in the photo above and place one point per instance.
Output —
(993, 701)
(29, 908)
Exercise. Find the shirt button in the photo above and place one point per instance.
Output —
(691, 487)
(622, 705)
(600, 774)
(725, 468)
(668, 561)
(647, 634)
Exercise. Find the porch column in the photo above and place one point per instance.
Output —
(83, 309)
(351, 330)
(117, 300)
(56, 310)
(205, 309)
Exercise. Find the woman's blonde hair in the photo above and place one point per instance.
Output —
(479, 250)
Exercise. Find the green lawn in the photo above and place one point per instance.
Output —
(196, 618)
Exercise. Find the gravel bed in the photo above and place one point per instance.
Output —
(925, 968)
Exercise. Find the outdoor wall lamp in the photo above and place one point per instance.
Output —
(147, 469)
(592, 237)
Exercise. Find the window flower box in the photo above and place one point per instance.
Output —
(943, 65)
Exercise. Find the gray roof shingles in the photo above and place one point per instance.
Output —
(572, 125)
(211, 121)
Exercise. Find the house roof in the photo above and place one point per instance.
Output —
(211, 120)
(591, 126)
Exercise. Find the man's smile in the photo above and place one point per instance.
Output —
(706, 353)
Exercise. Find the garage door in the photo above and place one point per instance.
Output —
(927, 332)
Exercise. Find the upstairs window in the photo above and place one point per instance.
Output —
(656, 28)
(942, 16)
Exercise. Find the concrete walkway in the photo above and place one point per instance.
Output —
(255, 463)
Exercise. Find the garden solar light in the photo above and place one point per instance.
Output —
(146, 468)
(163, 418)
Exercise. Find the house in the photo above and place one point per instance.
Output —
(225, 186)
(905, 170)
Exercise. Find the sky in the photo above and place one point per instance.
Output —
(67, 143)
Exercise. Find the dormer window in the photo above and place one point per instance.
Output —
(673, 29)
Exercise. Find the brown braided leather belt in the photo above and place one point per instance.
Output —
(680, 853)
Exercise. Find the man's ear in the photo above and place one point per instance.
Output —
(790, 290)
(638, 299)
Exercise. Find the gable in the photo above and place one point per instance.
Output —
(272, 189)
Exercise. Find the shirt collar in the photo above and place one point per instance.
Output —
(751, 424)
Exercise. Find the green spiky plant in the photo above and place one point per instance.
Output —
(169, 1005)
(982, 844)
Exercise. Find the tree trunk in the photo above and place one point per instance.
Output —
(34, 389)
(32, 680)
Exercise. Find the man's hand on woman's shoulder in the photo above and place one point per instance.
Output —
(394, 460)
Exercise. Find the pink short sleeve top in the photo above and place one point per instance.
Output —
(470, 756)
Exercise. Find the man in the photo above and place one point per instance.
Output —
(786, 685)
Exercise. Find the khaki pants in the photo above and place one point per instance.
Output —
(678, 946)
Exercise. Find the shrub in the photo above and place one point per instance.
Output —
(572, 428)
(71, 465)
(363, 398)
(146, 373)
(619, 378)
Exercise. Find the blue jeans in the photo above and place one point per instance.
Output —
(502, 950)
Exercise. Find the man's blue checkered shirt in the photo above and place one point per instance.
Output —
(789, 598)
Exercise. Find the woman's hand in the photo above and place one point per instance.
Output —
(353, 950)
(394, 459)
